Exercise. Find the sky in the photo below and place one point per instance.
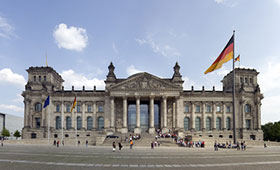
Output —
(81, 38)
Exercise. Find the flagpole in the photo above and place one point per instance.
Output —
(233, 94)
(48, 126)
(76, 129)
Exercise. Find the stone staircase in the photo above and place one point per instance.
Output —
(145, 140)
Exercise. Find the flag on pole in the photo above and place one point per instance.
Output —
(74, 104)
(237, 58)
(47, 102)
(225, 56)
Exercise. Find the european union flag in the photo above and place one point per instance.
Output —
(47, 102)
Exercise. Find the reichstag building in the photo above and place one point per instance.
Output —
(142, 103)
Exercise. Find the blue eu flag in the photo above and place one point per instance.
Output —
(47, 102)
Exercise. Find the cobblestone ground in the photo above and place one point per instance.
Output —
(42, 157)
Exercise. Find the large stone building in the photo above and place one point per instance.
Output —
(142, 103)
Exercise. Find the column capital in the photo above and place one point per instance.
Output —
(152, 96)
(137, 97)
(112, 97)
(164, 97)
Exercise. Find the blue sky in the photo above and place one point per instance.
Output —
(82, 37)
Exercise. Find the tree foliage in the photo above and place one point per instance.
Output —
(5, 132)
(271, 131)
(17, 134)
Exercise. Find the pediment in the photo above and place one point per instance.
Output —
(144, 81)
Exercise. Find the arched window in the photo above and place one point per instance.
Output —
(57, 122)
(218, 123)
(89, 123)
(186, 123)
(198, 124)
(68, 122)
(100, 123)
(228, 123)
(38, 107)
(57, 109)
(79, 122)
(247, 108)
(208, 123)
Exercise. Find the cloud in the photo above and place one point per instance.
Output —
(159, 48)
(132, 70)
(187, 83)
(228, 3)
(72, 38)
(7, 76)
(269, 80)
(6, 30)
(78, 80)
(19, 99)
(277, 1)
(115, 49)
(11, 107)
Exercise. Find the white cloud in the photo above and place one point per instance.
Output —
(269, 80)
(78, 80)
(115, 49)
(132, 70)
(11, 108)
(19, 99)
(7, 76)
(159, 48)
(188, 83)
(72, 38)
(6, 30)
(219, 1)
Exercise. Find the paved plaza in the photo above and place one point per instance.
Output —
(27, 157)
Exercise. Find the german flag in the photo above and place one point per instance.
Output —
(225, 56)
(74, 104)
(237, 58)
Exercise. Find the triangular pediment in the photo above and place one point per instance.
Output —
(144, 81)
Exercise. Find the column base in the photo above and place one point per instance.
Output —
(124, 130)
(137, 130)
(151, 130)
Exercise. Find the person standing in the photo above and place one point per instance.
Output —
(131, 144)
(57, 143)
(86, 143)
(152, 145)
(114, 146)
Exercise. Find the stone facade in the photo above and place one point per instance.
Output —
(142, 103)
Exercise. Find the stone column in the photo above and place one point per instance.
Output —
(193, 117)
(26, 113)
(203, 117)
(152, 115)
(94, 116)
(137, 129)
(259, 115)
(73, 119)
(177, 113)
(174, 115)
(84, 123)
(243, 114)
(224, 117)
(214, 116)
(164, 130)
(112, 113)
(124, 129)
(62, 115)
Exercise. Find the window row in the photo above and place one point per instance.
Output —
(209, 125)
(78, 108)
(39, 78)
(208, 108)
(246, 80)
(90, 125)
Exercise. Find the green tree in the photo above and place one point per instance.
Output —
(17, 134)
(5, 132)
(271, 131)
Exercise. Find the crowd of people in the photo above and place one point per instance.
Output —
(239, 145)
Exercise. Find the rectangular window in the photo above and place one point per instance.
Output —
(45, 78)
(89, 108)
(78, 108)
(100, 109)
(57, 108)
(246, 80)
(67, 108)
(39, 78)
(251, 81)
(228, 109)
(208, 108)
(248, 124)
(38, 123)
(197, 108)
(241, 80)
(34, 78)
(187, 108)
(219, 109)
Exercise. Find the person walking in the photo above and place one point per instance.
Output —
(114, 146)
(86, 143)
(57, 143)
(131, 144)
(120, 146)
(152, 145)
(216, 146)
